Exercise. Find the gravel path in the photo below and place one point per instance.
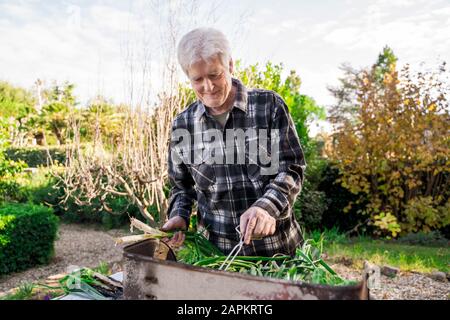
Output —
(86, 246)
(404, 286)
(77, 245)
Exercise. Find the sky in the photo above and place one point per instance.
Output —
(102, 45)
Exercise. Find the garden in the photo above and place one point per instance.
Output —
(73, 177)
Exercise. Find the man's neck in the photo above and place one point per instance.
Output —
(228, 104)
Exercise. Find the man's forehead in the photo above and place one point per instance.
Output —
(207, 66)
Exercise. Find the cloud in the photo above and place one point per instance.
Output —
(81, 45)
(343, 36)
(16, 11)
(277, 28)
(396, 3)
(110, 19)
(418, 35)
(442, 11)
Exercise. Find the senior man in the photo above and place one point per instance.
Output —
(235, 200)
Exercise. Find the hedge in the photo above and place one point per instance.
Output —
(36, 156)
(27, 235)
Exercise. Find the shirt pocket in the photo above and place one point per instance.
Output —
(203, 175)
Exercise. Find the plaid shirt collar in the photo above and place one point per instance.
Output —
(240, 100)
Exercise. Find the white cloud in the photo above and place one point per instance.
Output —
(17, 11)
(442, 11)
(396, 3)
(266, 12)
(290, 24)
(312, 32)
(277, 28)
(111, 19)
(88, 54)
(343, 36)
(420, 35)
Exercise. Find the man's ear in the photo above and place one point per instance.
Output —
(231, 66)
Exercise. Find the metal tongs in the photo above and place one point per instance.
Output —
(234, 252)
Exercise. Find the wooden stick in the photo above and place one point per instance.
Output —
(131, 239)
(146, 228)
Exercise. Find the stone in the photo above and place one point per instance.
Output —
(439, 276)
(389, 271)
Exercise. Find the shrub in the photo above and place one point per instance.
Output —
(117, 215)
(423, 214)
(312, 203)
(309, 207)
(37, 156)
(27, 235)
(338, 214)
(9, 190)
(46, 194)
(8, 172)
(40, 188)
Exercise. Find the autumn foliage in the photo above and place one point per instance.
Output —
(393, 151)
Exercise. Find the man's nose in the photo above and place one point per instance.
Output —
(208, 84)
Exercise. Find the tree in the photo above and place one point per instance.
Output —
(102, 115)
(386, 60)
(346, 94)
(395, 154)
(8, 168)
(16, 106)
(59, 104)
(37, 116)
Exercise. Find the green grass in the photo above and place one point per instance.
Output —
(405, 257)
(103, 268)
(24, 292)
(414, 252)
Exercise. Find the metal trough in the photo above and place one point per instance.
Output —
(147, 277)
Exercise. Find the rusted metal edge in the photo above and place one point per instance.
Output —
(360, 286)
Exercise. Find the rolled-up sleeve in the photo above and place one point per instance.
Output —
(282, 191)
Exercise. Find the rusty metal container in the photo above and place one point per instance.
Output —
(148, 277)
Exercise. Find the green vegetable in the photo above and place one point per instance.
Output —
(307, 264)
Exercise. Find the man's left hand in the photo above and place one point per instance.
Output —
(256, 222)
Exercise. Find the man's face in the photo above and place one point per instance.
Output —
(211, 81)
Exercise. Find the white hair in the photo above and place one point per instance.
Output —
(203, 44)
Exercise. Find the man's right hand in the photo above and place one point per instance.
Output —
(175, 223)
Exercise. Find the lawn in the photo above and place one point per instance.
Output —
(403, 256)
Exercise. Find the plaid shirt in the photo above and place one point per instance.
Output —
(224, 191)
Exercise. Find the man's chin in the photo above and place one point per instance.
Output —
(213, 103)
